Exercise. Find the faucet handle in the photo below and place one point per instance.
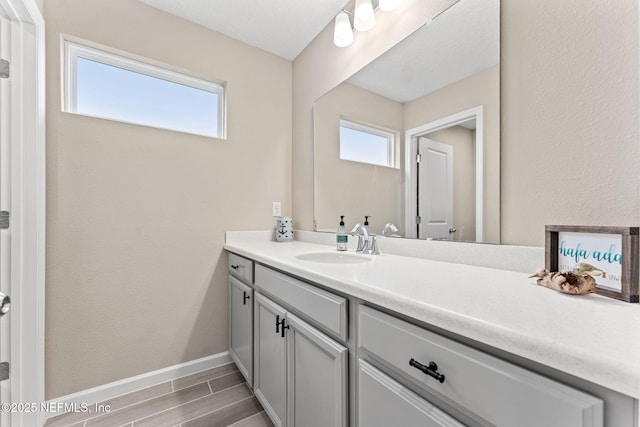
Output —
(372, 245)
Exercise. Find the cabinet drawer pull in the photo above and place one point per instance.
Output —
(246, 297)
(431, 370)
(235, 267)
(278, 323)
(283, 328)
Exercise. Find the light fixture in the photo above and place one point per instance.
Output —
(364, 19)
(389, 5)
(342, 33)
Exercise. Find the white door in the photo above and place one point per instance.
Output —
(435, 189)
(5, 199)
(22, 160)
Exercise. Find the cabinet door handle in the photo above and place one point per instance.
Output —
(235, 267)
(431, 369)
(246, 297)
(283, 328)
(278, 323)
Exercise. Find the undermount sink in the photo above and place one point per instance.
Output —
(334, 258)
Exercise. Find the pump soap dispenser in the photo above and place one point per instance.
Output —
(342, 237)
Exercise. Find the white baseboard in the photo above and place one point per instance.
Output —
(128, 385)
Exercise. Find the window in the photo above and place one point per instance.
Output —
(106, 85)
(365, 144)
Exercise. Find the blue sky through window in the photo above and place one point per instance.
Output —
(115, 93)
(363, 147)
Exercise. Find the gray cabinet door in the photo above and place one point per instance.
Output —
(269, 382)
(241, 327)
(382, 402)
(317, 377)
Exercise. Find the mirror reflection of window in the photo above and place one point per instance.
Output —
(366, 144)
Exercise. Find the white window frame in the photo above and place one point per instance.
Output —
(389, 135)
(73, 50)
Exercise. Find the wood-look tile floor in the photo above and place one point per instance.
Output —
(214, 398)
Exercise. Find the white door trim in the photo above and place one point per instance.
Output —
(411, 151)
(27, 207)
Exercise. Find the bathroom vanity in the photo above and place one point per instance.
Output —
(327, 338)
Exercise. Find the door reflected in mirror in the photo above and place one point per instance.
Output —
(437, 96)
(445, 171)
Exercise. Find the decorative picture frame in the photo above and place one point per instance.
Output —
(612, 250)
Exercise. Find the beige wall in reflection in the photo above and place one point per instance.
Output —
(483, 89)
(357, 189)
(350, 188)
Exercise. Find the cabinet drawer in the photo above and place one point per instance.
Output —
(325, 308)
(241, 268)
(383, 402)
(493, 390)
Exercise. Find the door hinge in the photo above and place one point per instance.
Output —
(4, 371)
(4, 69)
(4, 220)
(418, 158)
(418, 219)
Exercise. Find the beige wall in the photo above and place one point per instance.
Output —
(570, 151)
(136, 216)
(350, 188)
(569, 103)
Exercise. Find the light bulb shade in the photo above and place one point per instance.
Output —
(342, 33)
(388, 5)
(364, 18)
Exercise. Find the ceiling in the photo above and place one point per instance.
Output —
(282, 27)
(459, 43)
(462, 41)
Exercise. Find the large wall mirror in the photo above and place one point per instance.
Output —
(413, 139)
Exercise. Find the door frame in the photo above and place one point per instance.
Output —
(410, 174)
(27, 245)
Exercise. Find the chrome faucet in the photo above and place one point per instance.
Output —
(372, 245)
(367, 242)
(363, 237)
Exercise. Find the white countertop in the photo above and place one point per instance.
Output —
(590, 337)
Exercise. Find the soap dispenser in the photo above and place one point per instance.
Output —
(341, 236)
(366, 223)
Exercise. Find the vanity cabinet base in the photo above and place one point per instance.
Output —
(301, 373)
